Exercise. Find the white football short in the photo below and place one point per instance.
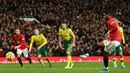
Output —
(110, 45)
(24, 51)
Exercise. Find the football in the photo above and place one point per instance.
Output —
(84, 56)
(10, 56)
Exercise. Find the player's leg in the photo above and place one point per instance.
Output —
(122, 59)
(68, 47)
(105, 61)
(19, 52)
(119, 50)
(105, 44)
(114, 58)
(114, 61)
(69, 61)
(44, 52)
(39, 58)
(48, 60)
(113, 48)
(25, 53)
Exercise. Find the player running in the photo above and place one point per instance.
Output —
(40, 41)
(21, 46)
(113, 41)
(67, 36)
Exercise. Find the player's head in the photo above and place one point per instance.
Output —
(63, 25)
(17, 31)
(107, 14)
(36, 31)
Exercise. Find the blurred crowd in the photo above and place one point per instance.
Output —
(85, 17)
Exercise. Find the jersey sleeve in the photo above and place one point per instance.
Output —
(59, 31)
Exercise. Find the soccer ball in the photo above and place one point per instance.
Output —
(84, 56)
(10, 56)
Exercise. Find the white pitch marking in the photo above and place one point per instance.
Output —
(72, 68)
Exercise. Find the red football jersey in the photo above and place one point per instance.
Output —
(113, 26)
(20, 40)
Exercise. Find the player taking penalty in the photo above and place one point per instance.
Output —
(113, 40)
(67, 36)
(21, 46)
(40, 41)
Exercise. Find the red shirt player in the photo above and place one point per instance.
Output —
(114, 31)
(19, 41)
(112, 43)
(21, 46)
(115, 35)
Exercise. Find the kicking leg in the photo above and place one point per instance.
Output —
(105, 61)
(19, 52)
(25, 53)
(105, 54)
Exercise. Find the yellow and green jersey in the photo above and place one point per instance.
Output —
(65, 34)
(40, 40)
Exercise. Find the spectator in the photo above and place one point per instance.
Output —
(85, 17)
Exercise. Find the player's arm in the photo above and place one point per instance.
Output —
(31, 44)
(72, 34)
(122, 35)
(44, 41)
(60, 39)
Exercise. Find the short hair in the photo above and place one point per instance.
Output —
(63, 22)
(36, 29)
(109, 12)
(17, 29)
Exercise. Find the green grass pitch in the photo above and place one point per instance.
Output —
(59, 68)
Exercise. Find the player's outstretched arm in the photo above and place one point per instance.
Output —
(60, 42)
(122, 35)
(31, 44)
(73, 44)
(72, 34)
